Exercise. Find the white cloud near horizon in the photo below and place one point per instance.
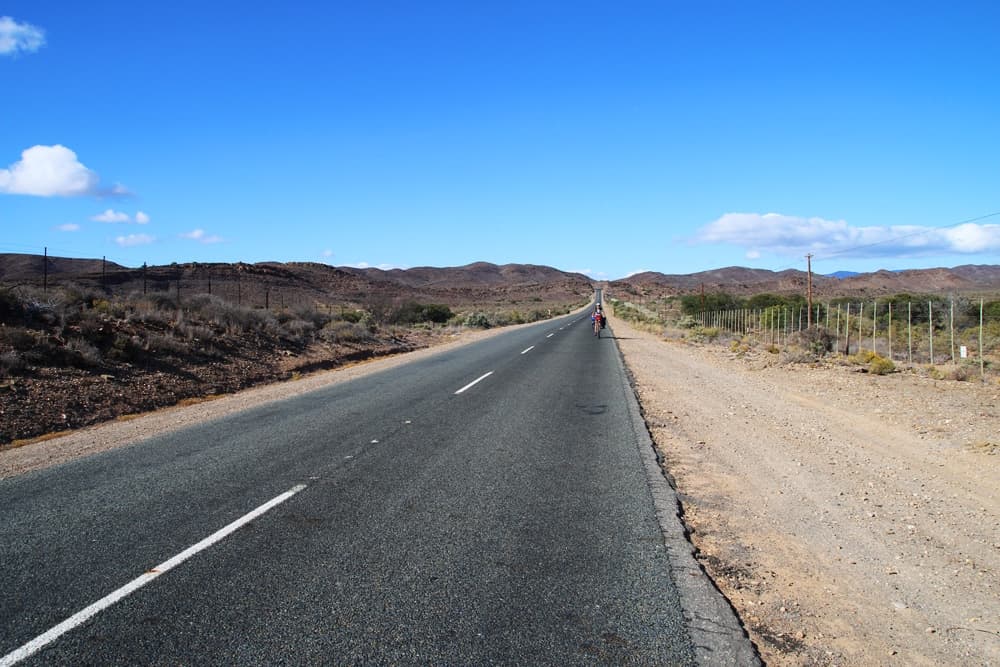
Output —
(49, 171)
(112, 216)
(16, 38)
(69, 227)
(133, 240)
(366, 265)
(795, 236)
(201, 236)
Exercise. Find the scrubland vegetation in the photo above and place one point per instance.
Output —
(914, 332)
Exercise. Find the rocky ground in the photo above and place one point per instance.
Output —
(851, 519)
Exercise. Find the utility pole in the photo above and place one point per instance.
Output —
(809, 290)
(45, 271)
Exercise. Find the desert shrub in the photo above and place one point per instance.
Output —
(236, 319)
(703, 334)
(879, 365)
(166, 344)
(19, 338)
(354, 316)
(499, 319)
(10, 305)
(412, 312)
(46, 351)
(863, 357)
(86, 354)
(687, 322)
(962, 373)
(816, 340)
(194, 332)
(297, 331)
(477, 319)
(126, 348)
(341, 331)
(12, 362)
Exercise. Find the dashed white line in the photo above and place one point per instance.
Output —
(470, 385)
(528, 350)
(83, 616)
(550, 335)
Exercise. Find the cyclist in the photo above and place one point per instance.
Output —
(597, 317)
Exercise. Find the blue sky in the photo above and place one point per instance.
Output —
(600, 137)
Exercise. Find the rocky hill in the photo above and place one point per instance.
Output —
(270, 284)
(740, 281)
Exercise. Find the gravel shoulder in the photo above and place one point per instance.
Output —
(850, 519)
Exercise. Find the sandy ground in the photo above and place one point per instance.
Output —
(851, 519)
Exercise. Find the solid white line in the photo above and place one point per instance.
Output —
(528, 350)
(83, 616)
(468, 386)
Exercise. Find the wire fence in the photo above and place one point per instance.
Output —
(915, 332)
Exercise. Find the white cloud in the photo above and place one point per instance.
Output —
(69, 227)
(327, 253)
(637, 272)
(795, 236)
(366, 265)
(111, 216)
(18, 38)
(48, 171)
(134, 240)
(200, 236)
(141, 218)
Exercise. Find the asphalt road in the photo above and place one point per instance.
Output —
(415, 518)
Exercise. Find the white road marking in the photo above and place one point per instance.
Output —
(468, 386)
(528, 350)
(83, 616)
(550, 335)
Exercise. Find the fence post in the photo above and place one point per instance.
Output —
(930, 328)
(847, 331)
(874, 324)
(861, 321)
(890, 330)
(982, 365)
(838, 325)
(909, 332)
(951, 327)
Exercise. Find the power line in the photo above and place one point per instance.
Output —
(929, 230)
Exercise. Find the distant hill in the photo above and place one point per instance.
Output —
(742, 281)
(276, 283)
(15, 267)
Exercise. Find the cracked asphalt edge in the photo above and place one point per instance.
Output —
(715, 629)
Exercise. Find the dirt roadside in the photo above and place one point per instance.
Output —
(851, 519)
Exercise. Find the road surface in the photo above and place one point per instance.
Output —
(494, 504)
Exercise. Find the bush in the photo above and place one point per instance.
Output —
(87, 355)
(477, 319)
(879, 365)
(341, 331)
(12, 363)
(816, 340)
(703, 334)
